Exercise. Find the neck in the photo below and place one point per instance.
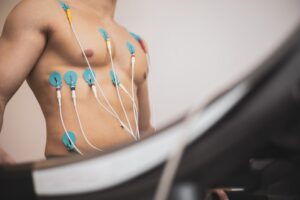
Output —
(104, 8)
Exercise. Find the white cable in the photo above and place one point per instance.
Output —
(89, 66)
(115, 116)
(135, 111)
(63, 123)
(80, 123)
(117, 87)
(96, 81)
(126, 91)
(131, 98)
(101, 104)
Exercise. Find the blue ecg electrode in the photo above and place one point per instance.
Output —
(66, 141)
(71, 79)
(137, 37)
(114, 78)
(88, 76)
(55, 79)
(104, 34)
(130, 48)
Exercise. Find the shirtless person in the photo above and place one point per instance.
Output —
(37, 40)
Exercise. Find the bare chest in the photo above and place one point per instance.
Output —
(69, 48)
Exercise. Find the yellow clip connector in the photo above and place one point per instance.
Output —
(108, 43)
(69, 16)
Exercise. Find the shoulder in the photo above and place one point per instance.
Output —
(32, 14)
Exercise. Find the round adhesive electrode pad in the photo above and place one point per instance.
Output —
(104, 34)
(88, 76)
(137, 37)
(55, 79)
(114, 78)
(130, 48)
(66, 140)
(71, 78)
(64, 5)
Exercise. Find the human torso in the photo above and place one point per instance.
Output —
(63, 54)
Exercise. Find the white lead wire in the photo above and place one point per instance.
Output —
(89, 66)
(63, 123)
(135, 111)
(118, 91)
(116, 117)
(80, 123)
(131, 98)
(96, 81)
(94, 90)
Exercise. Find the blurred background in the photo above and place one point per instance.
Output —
(198, 48)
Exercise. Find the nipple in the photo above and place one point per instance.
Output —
(88, 52)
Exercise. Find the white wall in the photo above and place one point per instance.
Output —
(197, 47)
(200, 46)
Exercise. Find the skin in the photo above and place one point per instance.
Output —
(37, 40)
